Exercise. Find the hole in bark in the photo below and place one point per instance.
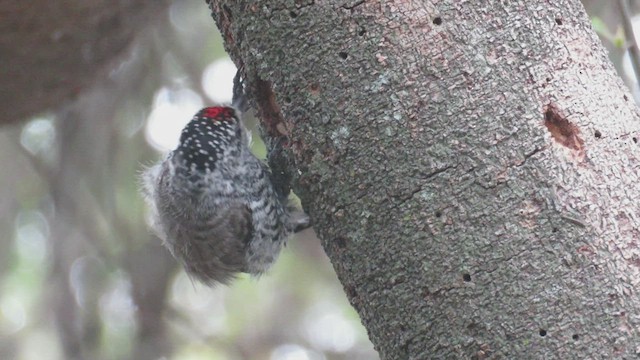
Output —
(287, 100)
(314, 89)
(466, 277)
(351, 292)
(548, 79)
(559, 21)
(437, 20)
(343, 55)
(341, 242)
(293, 14)
(554, 230)
(362, 32)
(575, 337)
(542, 332)
(625, 98)
(635, 140)
(597, 134)
(438, 213)
(562, 130)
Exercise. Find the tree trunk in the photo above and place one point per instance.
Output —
(471, 168)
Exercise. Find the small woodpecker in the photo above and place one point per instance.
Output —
(214, 203)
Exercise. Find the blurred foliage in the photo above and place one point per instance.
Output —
(81, 276)
(601, 28)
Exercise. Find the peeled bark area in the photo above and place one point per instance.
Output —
(50, 51)
(471, 167)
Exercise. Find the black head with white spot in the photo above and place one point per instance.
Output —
(203, 142)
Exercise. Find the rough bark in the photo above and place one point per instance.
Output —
(50, 51)
(471, 168)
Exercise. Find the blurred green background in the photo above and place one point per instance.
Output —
(82, 277)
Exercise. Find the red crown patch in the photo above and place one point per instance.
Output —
(217, 112)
